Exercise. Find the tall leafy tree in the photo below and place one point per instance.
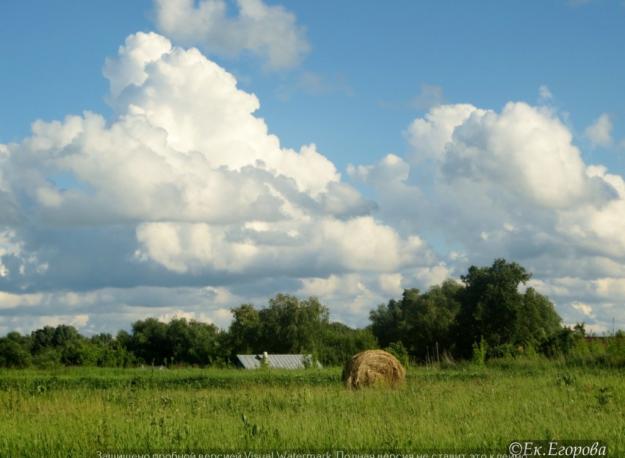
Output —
(149, 341)
(538, 319)
(291, 325)
(421, 322)
(388, 321)
(340, 343)
(493, 309)
(14, 351)
(429, 319)
(244, 333)
(179, 341)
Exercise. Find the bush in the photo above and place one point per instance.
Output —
(47, 359)
(398, 350)
(12, 354)
(598, 351)
(479, 352)
(502, 351)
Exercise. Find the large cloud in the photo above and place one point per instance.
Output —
(512, 184)
(269, 31)
(183, 204)
(183, 187)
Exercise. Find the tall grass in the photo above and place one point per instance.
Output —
(78, 412)
(598, 352)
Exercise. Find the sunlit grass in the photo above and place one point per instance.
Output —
(76, 412)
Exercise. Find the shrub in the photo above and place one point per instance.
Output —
(12, 354)
(398, 350)
(47, 359)
(479, 352)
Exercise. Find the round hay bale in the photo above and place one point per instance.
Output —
(373, 367)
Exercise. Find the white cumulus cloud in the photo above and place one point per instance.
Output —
(511, 184)
(600, 132)
(269, 31)
(183, 187)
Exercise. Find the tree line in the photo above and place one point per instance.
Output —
(286, 325)
(485, 315)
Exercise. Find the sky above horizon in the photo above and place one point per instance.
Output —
(178, 158)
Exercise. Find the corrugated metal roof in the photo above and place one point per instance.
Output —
(276, 361)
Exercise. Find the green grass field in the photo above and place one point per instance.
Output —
(80, 412)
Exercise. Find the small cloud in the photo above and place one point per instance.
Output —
(430, 96)
(544, 94)
(220, 317)
(78, 321)
(585, 309)
(391, 284)
(268, 31)
(600, 132)
(315, 84)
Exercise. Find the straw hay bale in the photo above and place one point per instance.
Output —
(373, 367)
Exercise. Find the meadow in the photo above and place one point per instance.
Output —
(464, 408)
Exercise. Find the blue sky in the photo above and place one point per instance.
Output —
(372, 59)
(357, 79)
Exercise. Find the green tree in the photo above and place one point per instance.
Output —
(14, 351)
(42, 339)
(340, 342)
(244, 333)
(149, 341)
(399, 351)
(429, 320)
(291, 325)
(79, 352)
(62, 344)
(538, 319)
(192, 342)
(422, 323)
(180, 341)
(493, 309)
(388, 322)
(287, 325)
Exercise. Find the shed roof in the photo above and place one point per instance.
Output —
(275, 361)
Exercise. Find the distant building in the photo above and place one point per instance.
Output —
(275, 361)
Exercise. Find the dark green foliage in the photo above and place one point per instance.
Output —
(423, 323)
(148, 341)
(287, 325)
(62, 344)
(14, 352)
(340, 343)
(177, 342)
(48, 358)
(478, 352)
(563, 341)
(487, 310)
(430, 318)
(538, 319)
(484, 317)
(388, 322)
(51, 347)
(292, 325)
(491, 305)
(244, 333)
(398, 350)
(492, 308)
(592, 351)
